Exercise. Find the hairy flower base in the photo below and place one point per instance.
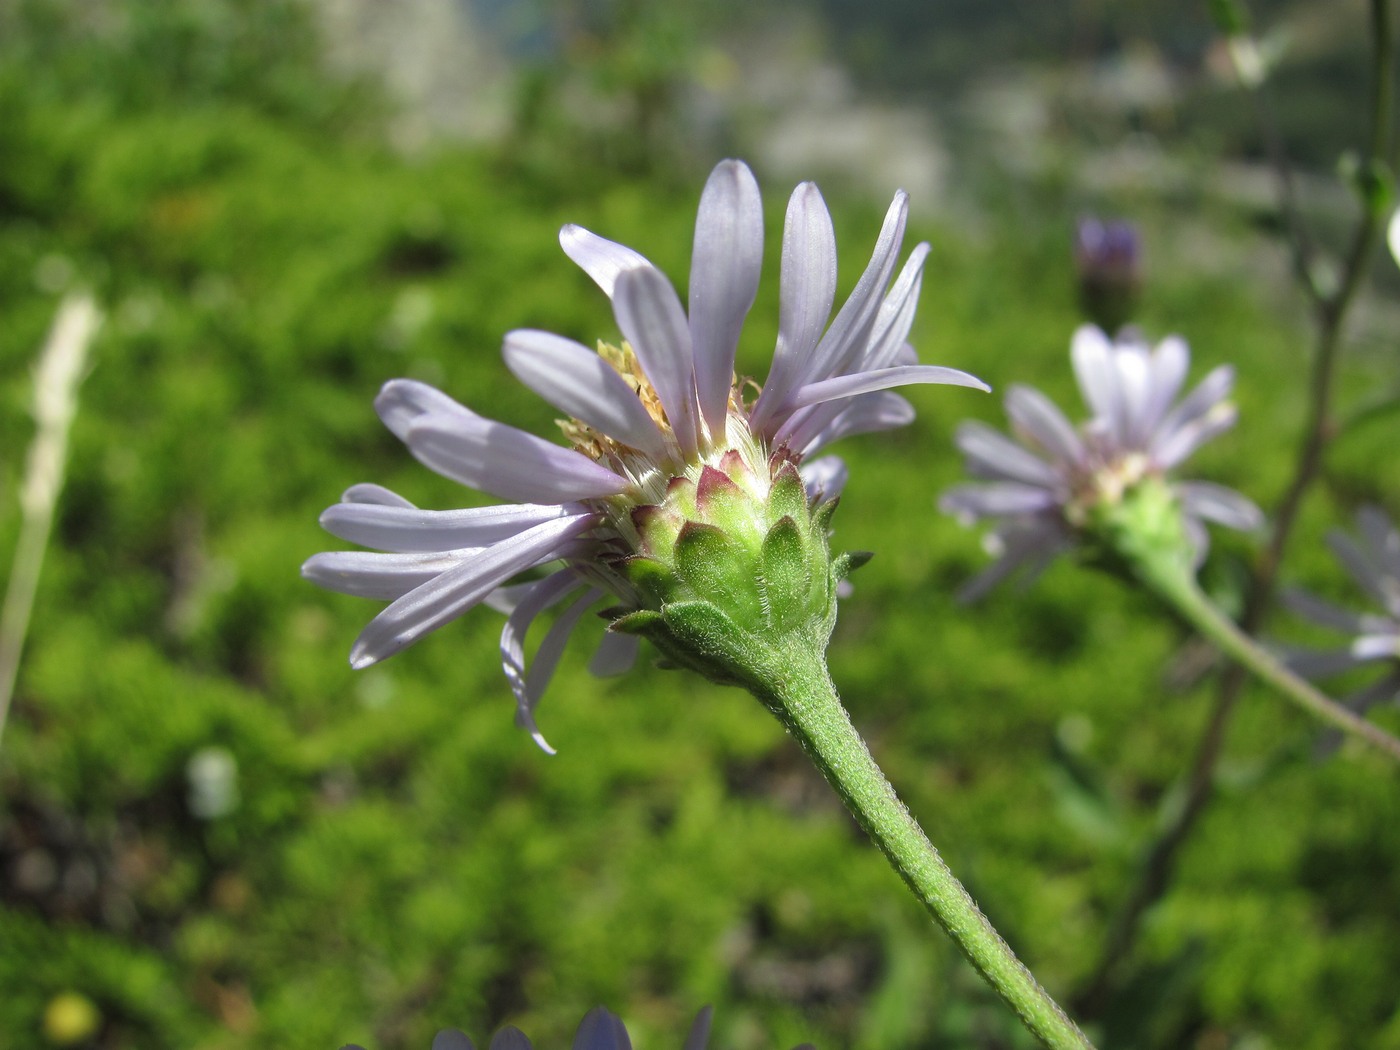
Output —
(731, 566)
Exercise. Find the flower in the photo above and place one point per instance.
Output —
(600, 1029)
(1048, 493)
(1372, 559)
(665, 448)
(1108, 259)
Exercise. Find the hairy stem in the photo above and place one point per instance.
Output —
(804, 699)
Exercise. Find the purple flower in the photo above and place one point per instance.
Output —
(600, 1029)
(660, 411)
(1372, 558)
(1043, 492)
(1108, 258)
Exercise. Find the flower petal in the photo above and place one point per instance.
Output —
(1319, 611)
(824, 478)
(1219, 504)
(440, 600)
(509, 1038)
(401, 402)
(699, 1034)
(598, 257)
(542, 595)
(850, 330)
(808, 287)
(369, 493)
(1384, 543)
(601, 1030)
(649, 313)
(801, 428)
(1044, 423)
(1355, 559)
(1092, 357)
(991, 454)
(616, 653)
(579, 382)
(367, 574)
(1201, 402)
(995, 499)
(724, 272)
(1190, 436)
(507, 462)
(408, 529)
(452, 1039)
(1170, 362)
(881, 410)
(896, 314)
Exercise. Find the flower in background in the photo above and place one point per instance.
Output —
(600, 1029)
(678, 493)
(1372, 558)
(1055, 485)
(1108, 260)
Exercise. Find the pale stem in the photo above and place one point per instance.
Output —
(1178, 587)
(803, 697)
(56, 377)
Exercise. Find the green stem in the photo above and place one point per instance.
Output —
(804, 699)
(1177, 587)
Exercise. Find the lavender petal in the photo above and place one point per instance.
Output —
(808, 287)
(509, 1037)
(384, 576)
(1190, 436)
(1091, 354)
(649, 313)
(995, 499)
(1219, 504)
(850, 331)
(601, 1030)
(507, 462)
(598, 257)
(402, 402)
(824, 478)
(1170, 362)
(1041, 419)
(991, 454)
(542, 595)
(1320, 611)
(881, 379)
(699, 1034)
(433, 604)
(408, 529)
(881, 410)
(377, 494)
(616, 653)
(896, 314)
(1204, 400)
(580, 383)
(724, 271)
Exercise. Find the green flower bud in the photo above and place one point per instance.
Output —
(732, 566)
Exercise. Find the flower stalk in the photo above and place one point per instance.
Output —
(799, 691)
(1163, 565)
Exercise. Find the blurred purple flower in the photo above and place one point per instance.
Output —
(600, 1029)
(663, 406)
(1108, 260)
(1372, 558)
(1041, 492)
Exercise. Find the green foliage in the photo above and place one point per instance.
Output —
(402, 858)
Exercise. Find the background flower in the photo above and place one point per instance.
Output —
(1043, 485)
(1372, 559)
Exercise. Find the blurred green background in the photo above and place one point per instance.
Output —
(280, 206)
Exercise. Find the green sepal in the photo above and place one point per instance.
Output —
(787, 498)
(821, 517)
(653, 580)
(704, 639)
(787, 574)
(716, 566)
(844, 564)
(643, 622)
